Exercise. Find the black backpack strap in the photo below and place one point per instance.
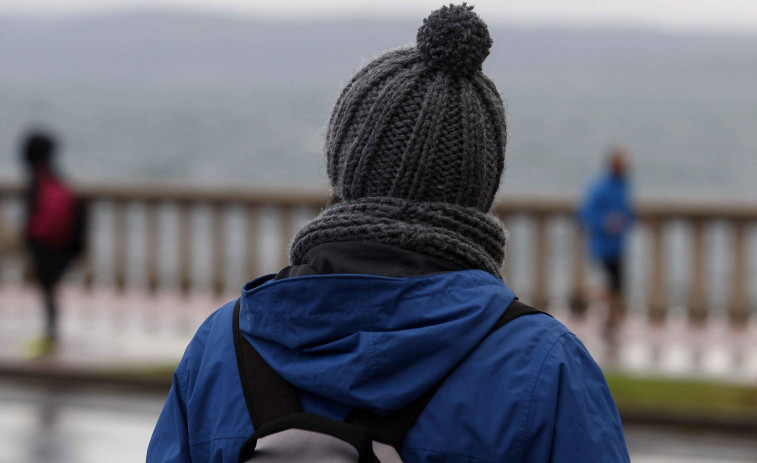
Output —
(268, 395)
(391, 429)
(515, 310)
(354, 435)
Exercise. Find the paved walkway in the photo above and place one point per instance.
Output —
(103, 329)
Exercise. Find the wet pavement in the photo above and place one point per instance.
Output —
(54, 426)
(662, 444)
(39, 425)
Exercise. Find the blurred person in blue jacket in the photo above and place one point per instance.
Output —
(607, 215)
(394, 287)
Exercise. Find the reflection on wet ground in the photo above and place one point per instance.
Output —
(45, 426)
(658, 444)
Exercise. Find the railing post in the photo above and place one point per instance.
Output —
(540, 283)
(738, 309)
(658, 281)
(87, 262)
(27, 269)
(185, 247)
(578, 276)
(120, 243)
(219, 247)
(286, 233)
(152, 245)
(698, 289)
(252, 241)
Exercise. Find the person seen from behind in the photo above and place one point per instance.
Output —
(392, 324)
(608, 215)
(53, 231)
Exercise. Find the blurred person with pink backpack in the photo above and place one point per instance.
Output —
(53, 230)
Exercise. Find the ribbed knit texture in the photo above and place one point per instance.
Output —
(465, 236)
(416, 142)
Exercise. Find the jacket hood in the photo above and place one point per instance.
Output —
(369, 341)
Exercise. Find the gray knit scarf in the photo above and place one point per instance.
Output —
(463, 235)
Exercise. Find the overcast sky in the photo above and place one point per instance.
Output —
(721, 15)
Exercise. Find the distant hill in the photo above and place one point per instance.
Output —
(171, 46)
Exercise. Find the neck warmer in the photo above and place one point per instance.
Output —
(464, 235)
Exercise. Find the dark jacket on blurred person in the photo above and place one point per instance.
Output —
(54, 224)
(393, 288)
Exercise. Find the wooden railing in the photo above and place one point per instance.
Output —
(255, 210)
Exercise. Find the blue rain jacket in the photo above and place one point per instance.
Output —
(529, 392)
(607, 201)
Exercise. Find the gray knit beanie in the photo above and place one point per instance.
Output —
(415, 149)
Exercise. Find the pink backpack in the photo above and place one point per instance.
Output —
(54, 216)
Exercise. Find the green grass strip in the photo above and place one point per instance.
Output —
(631, 393)
(682, 395)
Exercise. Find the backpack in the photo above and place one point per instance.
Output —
(283, 433)
(56, 216)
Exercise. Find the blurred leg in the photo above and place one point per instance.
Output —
(49, 267)
(45, 344)
(51, 311)
(578, 303)
(615, 300)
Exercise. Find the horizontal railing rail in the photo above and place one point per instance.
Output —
(256, 209)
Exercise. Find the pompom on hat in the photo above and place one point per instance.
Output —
(415, 149)
(455, 39)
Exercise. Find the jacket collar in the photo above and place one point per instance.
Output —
(368, 259)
